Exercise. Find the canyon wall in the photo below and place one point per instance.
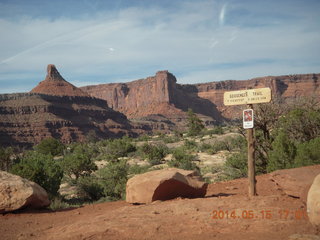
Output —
(162, 95)
(28, 118)
(56, 108)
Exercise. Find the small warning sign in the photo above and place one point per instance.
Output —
(248, 118)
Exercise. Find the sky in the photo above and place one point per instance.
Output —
(105, 41)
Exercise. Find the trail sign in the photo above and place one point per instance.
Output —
(248, 118)
(249, 96)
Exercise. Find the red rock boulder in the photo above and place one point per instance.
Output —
(17, 192)
(313, 202)
(164, 184)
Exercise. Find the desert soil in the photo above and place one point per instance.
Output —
(179, 218)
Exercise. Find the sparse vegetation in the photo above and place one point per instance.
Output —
(116, 148)
(5, 158)
(286, 137)
(78, 163)
(194, 124)
(50, 146)
(41, 169)
(182, 159)
(154, 154)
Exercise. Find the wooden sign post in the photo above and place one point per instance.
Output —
(250, 96)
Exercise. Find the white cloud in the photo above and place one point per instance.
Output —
(222, 14)
(197, 41)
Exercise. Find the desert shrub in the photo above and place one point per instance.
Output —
(171, 139)
(116, 148)
(283, 154)
(113, 178)
(216, 130)
(92, 136)
(237, 143)
(206, 147)
(50, 146)
(89, 187)
(108, 183)
(194, 123)
(40, 168)
(237, 164)
(308, 153)
(190, 145)
(178, 134)
(78, 162)
(57, 203)
(143, 138)
(181, 159)
(220, 146)
(154, 154)
(137, 169)
(5, 158)
(301, 124)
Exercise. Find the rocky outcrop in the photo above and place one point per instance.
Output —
(28, 118)
(157, 95)
(313, 202)
(162, 94)
(287, 87)
(164, 184)
(54, 84)
(17, 193)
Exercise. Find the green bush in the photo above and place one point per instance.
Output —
(137, 169)
(89, 187)
(78, 162)
(171, 139)
(143, 138)
(41, 169)
(308, 153)
(5, 158)
(117, 148)
(206, 147)
(283, 154)
(194, 124)
(113, 179)
(181, 159)
(190, 145)
(154, 154)
(301, 124)
(216, 130)
(50, 146)
(238, 165)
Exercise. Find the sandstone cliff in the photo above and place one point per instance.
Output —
(159, 95)
(56, 108)
(27, 118)
(162, 95)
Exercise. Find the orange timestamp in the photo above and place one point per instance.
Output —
(284, 214)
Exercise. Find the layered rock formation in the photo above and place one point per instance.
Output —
(27, 118)
(56, 108)
(159, 95)
(162, 95)
(287, 87)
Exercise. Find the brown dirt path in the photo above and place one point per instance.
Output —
(175, 219)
